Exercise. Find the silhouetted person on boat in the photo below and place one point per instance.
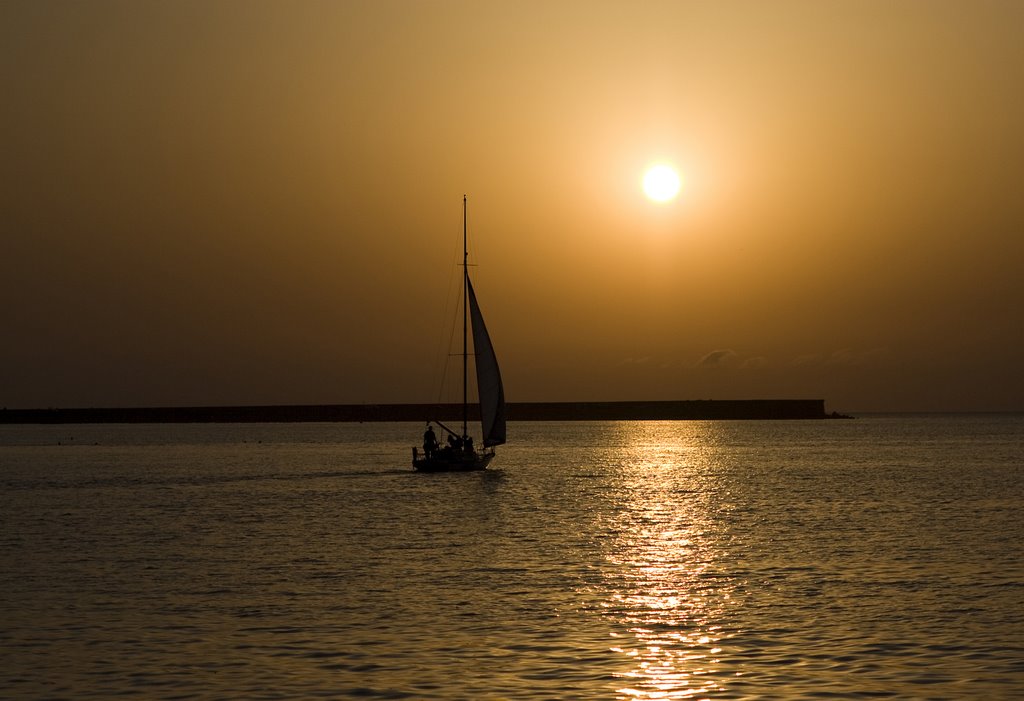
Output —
(429, 441)
(468, 446)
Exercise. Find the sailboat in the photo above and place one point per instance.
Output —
(460, 455)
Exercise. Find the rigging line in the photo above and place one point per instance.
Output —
(465, 321)
(449, 355)
(442, 360)
(440, 365)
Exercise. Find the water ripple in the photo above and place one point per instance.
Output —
(668, 560)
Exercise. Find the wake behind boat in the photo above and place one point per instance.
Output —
(459, 454)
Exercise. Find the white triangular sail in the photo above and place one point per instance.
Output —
(488, 377)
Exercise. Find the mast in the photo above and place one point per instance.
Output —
(465, 323)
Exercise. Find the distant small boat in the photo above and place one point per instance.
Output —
(459, 454)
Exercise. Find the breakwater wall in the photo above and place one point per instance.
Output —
(704, 409)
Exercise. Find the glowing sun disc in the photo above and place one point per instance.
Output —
(661, 183)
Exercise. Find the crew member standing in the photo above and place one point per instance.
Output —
(429, 441)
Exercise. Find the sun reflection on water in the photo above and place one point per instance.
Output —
(666, 587)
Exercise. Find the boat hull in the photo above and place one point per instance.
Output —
(458, 462)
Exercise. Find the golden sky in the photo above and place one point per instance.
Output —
(244, 202)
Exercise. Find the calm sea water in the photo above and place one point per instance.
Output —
(652, 560)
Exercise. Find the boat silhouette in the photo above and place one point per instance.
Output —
(460, 454)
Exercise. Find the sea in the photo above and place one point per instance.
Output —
(878, 557)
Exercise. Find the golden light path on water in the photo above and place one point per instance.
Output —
(666, 587)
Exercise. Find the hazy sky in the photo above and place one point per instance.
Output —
(252, 202)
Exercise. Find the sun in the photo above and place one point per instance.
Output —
(661, 183)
